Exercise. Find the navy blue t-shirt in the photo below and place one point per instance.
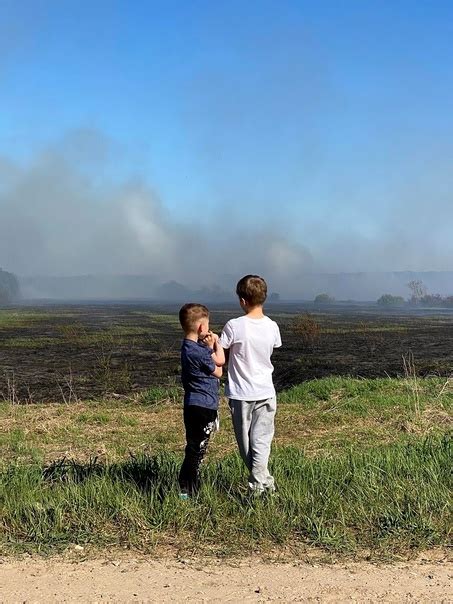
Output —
(200, 386)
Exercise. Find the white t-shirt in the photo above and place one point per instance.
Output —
(251, 343)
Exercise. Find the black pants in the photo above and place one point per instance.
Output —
(199, 423)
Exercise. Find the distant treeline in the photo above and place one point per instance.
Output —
(419, 297)
(433, 300)
(9, 287)
(427, 301)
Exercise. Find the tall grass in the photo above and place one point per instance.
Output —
(387, 499)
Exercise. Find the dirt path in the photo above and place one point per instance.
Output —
(131, 580)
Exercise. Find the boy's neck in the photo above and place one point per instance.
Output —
(254, 312)
(192, 335)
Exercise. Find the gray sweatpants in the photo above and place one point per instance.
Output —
(253, 423)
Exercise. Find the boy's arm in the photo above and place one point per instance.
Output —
(218, 356)
(226, 339)
(227, 355)
(217, 372)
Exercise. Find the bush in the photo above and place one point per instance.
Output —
(432, 300)
(307, 329)
(324, 299)
(389, 300)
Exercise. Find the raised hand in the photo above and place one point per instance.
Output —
(210, 339)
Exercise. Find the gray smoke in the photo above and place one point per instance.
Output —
(59, 217)
(62, 213)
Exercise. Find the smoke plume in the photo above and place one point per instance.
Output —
(64, 214)
(58, 217)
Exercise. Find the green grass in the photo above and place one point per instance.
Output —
(93, 418)
(30, 342)
(78, 336)
(363, 395)
(156, 395)
(360, 467)
(20, 318)
(387, 500)
(66, 328)
(166, 319)
(368, 329)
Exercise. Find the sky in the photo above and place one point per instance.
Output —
(185, 138)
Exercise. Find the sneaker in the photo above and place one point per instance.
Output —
(260, 490)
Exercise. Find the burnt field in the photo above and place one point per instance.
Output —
(69, 352)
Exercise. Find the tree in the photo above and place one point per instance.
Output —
(324, 299)
(418, 289)
(9, 287)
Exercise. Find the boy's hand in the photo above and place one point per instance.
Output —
(202, 336)
(210, 339)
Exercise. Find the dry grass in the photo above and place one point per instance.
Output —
(323, 416)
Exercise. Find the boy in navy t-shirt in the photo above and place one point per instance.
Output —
(202, 358)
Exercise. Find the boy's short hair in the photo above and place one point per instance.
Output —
(190, 314)
(253, 289)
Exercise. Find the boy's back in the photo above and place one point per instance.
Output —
(251, 343)
(251, 340)
(201, 387)
(201, 366)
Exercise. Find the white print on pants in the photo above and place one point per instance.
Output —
(253, 423)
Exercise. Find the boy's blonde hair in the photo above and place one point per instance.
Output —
(191, 314)
(253, 289)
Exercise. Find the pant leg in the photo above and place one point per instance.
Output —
(261, 435)
(241, 414)
(199, 423)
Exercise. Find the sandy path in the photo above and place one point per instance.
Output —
(131, 580)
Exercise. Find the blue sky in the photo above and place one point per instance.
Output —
(317, 117)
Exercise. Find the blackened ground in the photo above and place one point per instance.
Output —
(57, 353)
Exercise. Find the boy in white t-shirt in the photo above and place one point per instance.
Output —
(250, 341)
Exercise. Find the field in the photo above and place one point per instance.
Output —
(362, 452)
(57, 353)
